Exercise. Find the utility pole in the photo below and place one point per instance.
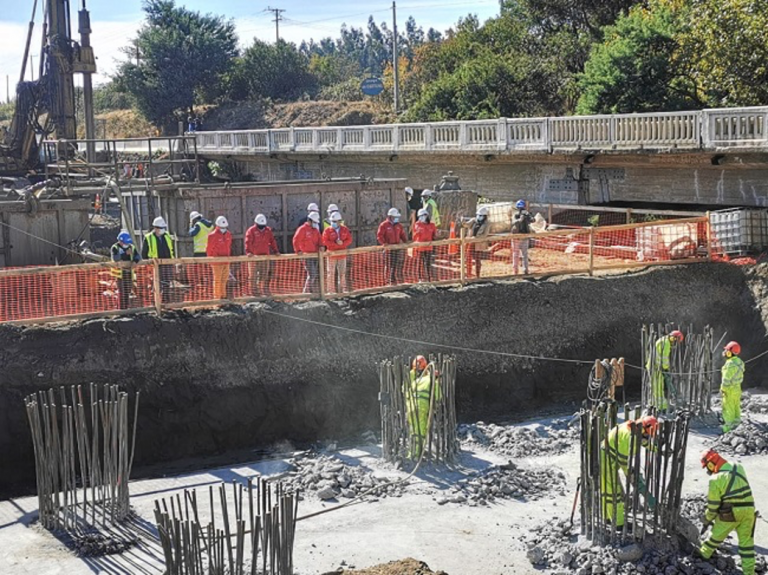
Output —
(32, 66)
(278, 16)
(8, 88)
(394, 56)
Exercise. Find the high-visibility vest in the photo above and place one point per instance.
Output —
(729, 486)
(732, 373)
(200, 241)
(431, 205)
(151, 240)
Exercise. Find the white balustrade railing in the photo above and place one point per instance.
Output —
(705, 130)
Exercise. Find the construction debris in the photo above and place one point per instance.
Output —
(97, 544)
(404, 567)
(750, 403)
(506, 482)
(514, 441)
(330, 478)
(749, 438)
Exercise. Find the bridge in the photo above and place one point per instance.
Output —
(714, 157)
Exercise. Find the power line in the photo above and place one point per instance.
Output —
(278, 16)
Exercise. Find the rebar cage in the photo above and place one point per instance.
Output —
(625, 500)
(417, 422)
(690, 379)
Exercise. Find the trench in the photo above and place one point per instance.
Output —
(241, 378)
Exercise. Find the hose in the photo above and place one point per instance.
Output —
(598, 387)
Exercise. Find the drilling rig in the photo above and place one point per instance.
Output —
(45, 108)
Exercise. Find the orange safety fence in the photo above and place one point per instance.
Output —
(86, 290)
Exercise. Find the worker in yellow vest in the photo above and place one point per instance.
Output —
(199, 230)
(730, 386)
(418, 391)
(658, 368)
(158, 245)
(428, 203)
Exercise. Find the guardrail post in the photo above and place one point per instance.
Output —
(709, 237)
(591, 250)
(429, 137)
(463, 257)
(292, 142)
(367, 138)
(502, 135)
(321, 273)
(462, 135)
(395, 138)
(156, 291)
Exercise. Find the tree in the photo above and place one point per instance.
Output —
(636, 69)
(278, 71)
(182, 55)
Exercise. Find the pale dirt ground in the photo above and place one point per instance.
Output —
(457, 539)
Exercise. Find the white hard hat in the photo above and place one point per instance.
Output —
(336, 216)
(159, 222)
(409, 191)
(427, 193)
(260, 220)
(313, 207)
(482, 211)
(423, 212)
(222, 222)
(393, 212)
(314, 216)
(195, 215)
(333, 208)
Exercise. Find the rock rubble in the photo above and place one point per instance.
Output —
(515, 441)
(749, 438)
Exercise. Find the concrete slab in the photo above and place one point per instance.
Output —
(459, 539)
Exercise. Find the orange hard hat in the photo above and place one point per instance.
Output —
(678, 335)
(650, 425)
(733, 347)
(712, 461)
(419, 362)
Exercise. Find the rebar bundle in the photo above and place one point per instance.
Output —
(691, 375)
(416, 424)
(625, 500)
(255, 535)
(84, 451)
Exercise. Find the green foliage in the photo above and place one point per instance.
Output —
(277, 71)
(345, 91)
(108, 97)
(182, 54)
(634, 69)
(6, 112)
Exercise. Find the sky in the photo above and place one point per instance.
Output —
(115, 23)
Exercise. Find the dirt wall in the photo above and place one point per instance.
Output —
(240, 378)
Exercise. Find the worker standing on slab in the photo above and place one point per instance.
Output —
(520, 223)
(478, 227)
(220, 246)
(730, 386)
(260, 241)
(658, 368)
(307, 240)
(124, 253)
(337, 238)
(730, 507)
(391, 233)
(424, 231)
(428, 203)
(417, 392)
(199, 229)
(614, 456)
(158, 245)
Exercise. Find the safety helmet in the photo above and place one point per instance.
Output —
(336, 216)
(332, 208)
(677, 335)
(125, 238)
(650, 425)
(409, 191)
(260, 220)
(733, 347)
(423, 212)
(482, 211)
(194, 215)
(313, 207)
(520, 205)
(159, 222)
(314, 216)
(222, 222)
(712, 461)
(419, 362)
(427, 193)
(393, 213)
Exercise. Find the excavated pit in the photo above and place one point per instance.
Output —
(245, 378)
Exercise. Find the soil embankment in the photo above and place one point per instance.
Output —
(245, 378)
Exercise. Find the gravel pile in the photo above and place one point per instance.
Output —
(516, 441)
(506, 482)
(96, 544)
(749, 403)
(555, 547)
(329, 478)
(749, 438)
(693, 508)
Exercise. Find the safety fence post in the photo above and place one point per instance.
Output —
(463, 256)
(629, 215)
(591, 250)
(709, 236)
(321, 273)
(157, 292)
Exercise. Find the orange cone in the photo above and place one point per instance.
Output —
(453, 249)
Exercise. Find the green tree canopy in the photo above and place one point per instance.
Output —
(181, 54)
(277, 71)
